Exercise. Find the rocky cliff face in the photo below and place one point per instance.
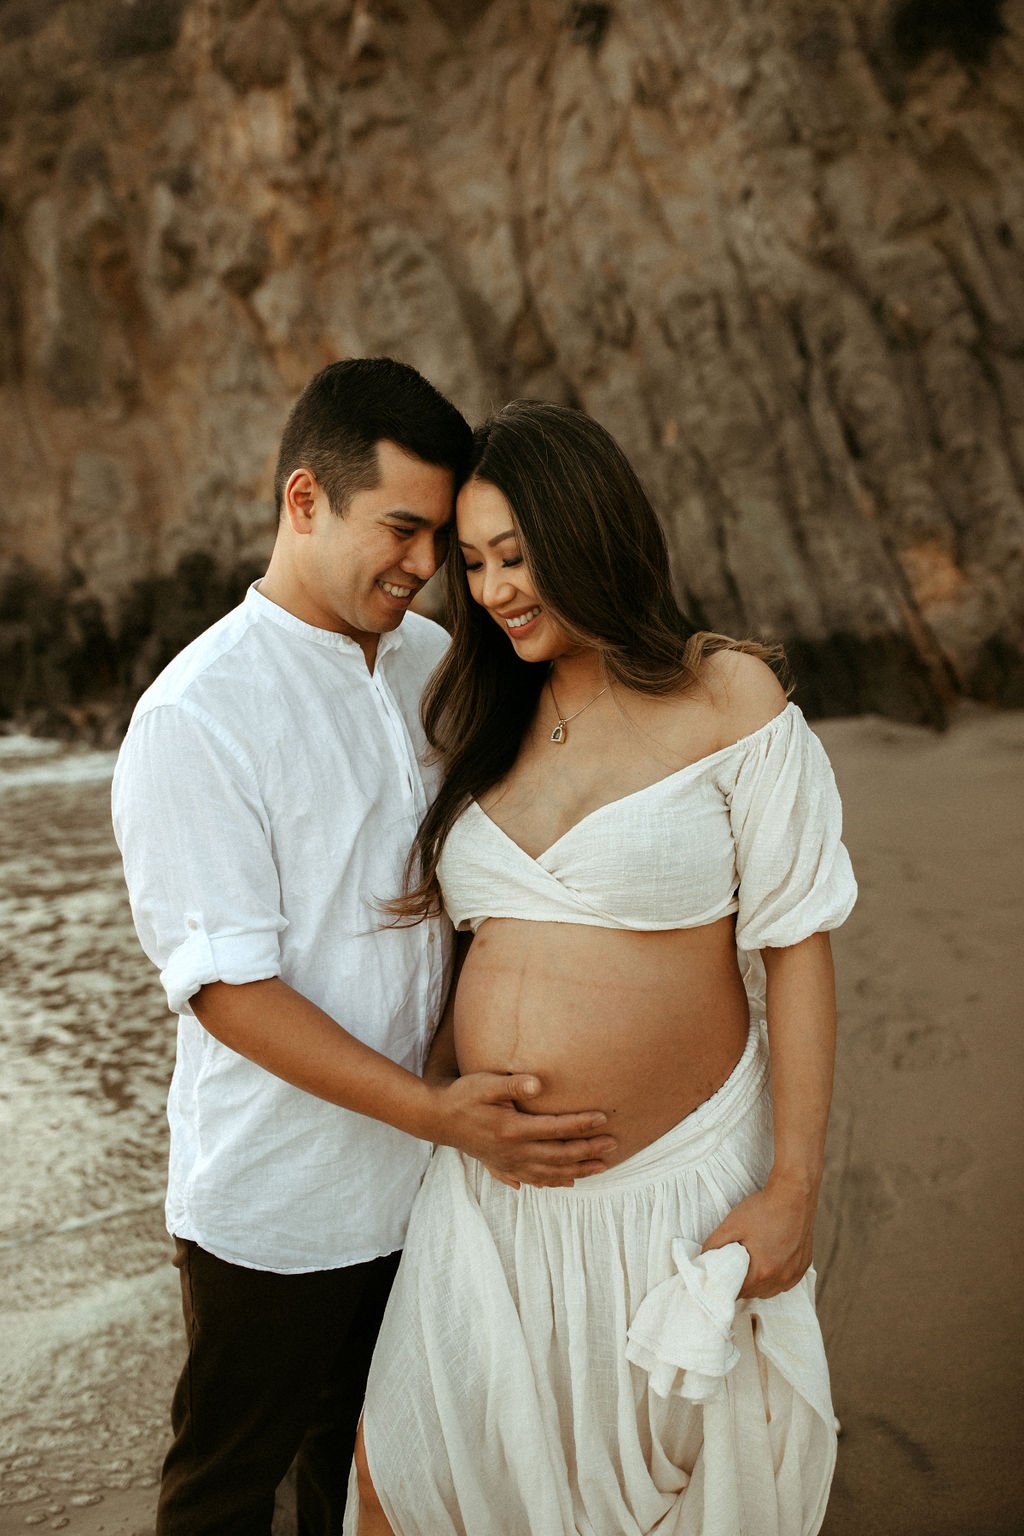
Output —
(773, 245)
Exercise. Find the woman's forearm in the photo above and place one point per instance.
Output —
(801, 1014)
(776, 1224)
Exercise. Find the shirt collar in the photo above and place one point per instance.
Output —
(329, 638)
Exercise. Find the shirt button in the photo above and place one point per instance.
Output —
(431, 938)
(193, 924)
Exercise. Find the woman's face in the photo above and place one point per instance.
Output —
(498, 577)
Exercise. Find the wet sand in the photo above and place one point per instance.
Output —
(919, 1248)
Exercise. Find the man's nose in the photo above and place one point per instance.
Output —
(422, 557)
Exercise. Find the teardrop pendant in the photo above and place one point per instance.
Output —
(558, 734)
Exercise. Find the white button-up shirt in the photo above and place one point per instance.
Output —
(265, 799)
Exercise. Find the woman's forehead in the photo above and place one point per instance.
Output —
(482, 513)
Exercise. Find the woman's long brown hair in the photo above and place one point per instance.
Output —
(597, 557)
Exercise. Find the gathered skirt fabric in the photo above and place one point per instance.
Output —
(521, 1385)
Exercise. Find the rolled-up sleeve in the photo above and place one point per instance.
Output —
(198, 856)
(793, 871)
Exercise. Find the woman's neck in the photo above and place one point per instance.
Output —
(577, 677)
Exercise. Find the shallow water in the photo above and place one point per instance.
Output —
(86, 1050)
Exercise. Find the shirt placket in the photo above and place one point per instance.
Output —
(390, 714)
(413, 791)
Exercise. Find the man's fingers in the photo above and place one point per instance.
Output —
(549, 1178)
(498, 1088)
(554, 1127)
(567, 1154)
(502, 1178)
(521, 1085)
(555, 1160)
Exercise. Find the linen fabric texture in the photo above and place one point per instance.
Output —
(264, 801)
(562, 1361)
(566, 1362)
(754, 829)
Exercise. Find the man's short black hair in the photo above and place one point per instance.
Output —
(348, 408)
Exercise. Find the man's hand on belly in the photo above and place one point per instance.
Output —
(478, 1114)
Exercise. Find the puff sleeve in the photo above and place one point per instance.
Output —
(793, 873)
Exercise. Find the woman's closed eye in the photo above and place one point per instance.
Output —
(477, 565)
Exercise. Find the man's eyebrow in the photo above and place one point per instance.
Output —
(399, 514)
(498, 539)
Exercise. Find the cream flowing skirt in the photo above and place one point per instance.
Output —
(564, 1362)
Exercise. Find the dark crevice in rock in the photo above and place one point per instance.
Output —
(131, 29)
(968, 29)
(589, 24)
(67, 669)
(847, 674)
(998, 674)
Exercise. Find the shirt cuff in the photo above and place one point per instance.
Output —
(232, 957)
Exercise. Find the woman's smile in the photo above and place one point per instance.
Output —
(520, 623)
(498, 577)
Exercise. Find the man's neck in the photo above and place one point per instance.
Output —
(277, 588)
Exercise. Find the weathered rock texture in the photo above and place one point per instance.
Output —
(774, 245)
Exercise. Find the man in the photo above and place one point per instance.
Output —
(264, 801)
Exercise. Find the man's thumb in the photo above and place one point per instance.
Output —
(523, 1086)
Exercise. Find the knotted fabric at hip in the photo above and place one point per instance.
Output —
(681, 1334)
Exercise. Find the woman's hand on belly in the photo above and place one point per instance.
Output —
(776, 1227)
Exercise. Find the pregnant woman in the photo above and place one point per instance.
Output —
(640, 840)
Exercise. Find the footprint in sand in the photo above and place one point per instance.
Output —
(927, 1045)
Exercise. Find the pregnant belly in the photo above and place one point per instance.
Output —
(644, 1026)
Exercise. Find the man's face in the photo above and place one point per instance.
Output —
(360, 572)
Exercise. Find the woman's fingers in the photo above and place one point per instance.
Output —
(777, 1232)
(770, 1277)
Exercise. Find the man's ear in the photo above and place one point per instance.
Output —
(301, 494)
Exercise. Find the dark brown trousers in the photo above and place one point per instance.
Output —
(276, 1370)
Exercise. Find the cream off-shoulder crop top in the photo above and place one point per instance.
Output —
(753, 829)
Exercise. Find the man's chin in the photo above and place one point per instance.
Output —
(388, 615)
(391, 621)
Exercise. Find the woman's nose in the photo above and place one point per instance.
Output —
(498, 588)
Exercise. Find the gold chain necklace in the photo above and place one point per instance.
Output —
(559, 733)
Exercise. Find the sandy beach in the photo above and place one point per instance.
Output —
(919, 1247)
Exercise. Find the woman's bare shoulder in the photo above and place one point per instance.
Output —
(744, 693)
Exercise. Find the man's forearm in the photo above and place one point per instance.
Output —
(284, 1033)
